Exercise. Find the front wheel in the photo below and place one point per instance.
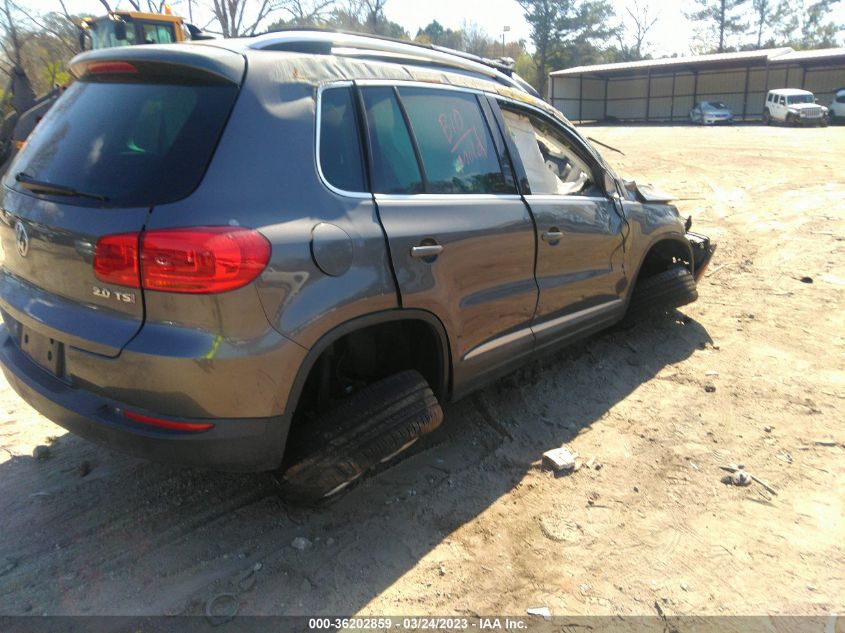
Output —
(672, 288)
(369, 428)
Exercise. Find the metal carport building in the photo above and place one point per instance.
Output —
(666, 89)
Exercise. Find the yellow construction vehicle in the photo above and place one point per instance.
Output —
(130, 28)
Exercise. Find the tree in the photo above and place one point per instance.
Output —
(236, 18)
(639, 21)
(366, 16)
(564, 30)
(723, 16)
(305, 13)
(817, 30)
(768, 15)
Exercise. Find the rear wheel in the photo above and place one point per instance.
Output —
(767, 117)
(672, 288)
(371, 427)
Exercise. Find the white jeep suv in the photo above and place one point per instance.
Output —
(794, 107)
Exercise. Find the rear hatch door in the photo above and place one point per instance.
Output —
(135, 130)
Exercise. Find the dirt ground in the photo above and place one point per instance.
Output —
(470, 523)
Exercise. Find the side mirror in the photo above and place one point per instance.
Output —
(610, 187)
(120, 30)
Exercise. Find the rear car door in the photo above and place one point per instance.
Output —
(121, 139)
(579, 227)
(461, 239)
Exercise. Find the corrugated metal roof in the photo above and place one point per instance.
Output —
(772, 55)
(794, 57)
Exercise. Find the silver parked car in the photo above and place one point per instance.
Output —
(710, 113)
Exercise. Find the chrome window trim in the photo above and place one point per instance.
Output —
(422, 197)
(360, 195)
(552, 197)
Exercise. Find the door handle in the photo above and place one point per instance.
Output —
(429, 250)
(552, 235)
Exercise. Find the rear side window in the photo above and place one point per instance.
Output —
(455, 144)
(395, 168)
(137, 144)
(340, 145)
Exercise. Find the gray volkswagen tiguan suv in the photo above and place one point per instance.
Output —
(287, 251)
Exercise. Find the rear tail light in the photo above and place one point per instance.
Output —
(195, 260)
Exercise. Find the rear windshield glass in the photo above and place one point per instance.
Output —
(135, 144)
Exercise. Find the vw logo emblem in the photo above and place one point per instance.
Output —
(21, 239)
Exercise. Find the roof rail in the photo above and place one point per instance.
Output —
(327, 42)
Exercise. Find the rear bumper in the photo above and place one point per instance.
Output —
(240, 444)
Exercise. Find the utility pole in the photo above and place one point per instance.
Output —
(505, 29)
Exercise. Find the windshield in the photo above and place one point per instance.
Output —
(715, 105)
(135, 144)
(800, 99)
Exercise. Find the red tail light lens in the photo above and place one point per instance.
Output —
(196, 260)
(116, 260)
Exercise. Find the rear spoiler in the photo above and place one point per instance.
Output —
(176, 61)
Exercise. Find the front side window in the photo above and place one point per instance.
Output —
(394, 162)
(340, 145)
(551, 163)
(840, 98)
(455, 144)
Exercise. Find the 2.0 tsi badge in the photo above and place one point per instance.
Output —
(21, 239)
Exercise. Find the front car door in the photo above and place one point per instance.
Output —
(579, 227)
(461, 239)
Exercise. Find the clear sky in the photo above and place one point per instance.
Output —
(671, 34)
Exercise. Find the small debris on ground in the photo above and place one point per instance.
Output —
(711, 372)
(84, 468)
(768, 429)
(709, 388)
(41, 452)
(559, 459)
(301, 543)
(734, 468)
(738, 478)
(541, 611)
(827, 443)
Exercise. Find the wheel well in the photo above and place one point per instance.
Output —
(366, 355)
(662, 255)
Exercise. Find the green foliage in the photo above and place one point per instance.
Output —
(720, 19)
(567, 32)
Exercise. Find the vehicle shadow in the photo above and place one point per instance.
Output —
(132, 537)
